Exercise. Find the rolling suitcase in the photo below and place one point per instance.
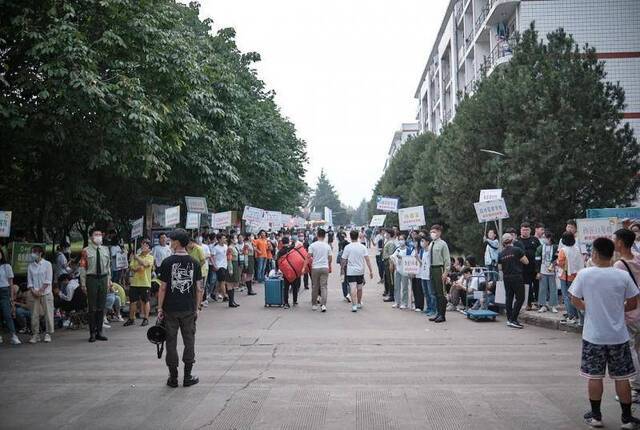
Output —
(273, 292)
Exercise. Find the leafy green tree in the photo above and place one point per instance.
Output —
(361, 214)
(326, 195)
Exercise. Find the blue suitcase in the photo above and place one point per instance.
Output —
(273, 292)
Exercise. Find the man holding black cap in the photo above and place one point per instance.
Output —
(179, 298)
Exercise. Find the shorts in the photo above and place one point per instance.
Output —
(221, 274)
(138, 293)
(597, 358)
(358, 279)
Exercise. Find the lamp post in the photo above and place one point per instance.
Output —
(500, 156)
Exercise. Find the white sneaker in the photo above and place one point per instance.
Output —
(354, 308)
(451, 307)
(34, 339)
(359, 305)
(418, 310)
(105, 323)
(542, 309)
(47, 338)
(323, 308)
(205, 303)
(15, 340)
(395, 305)
(314, 307)
(554, 310)
(403, 307)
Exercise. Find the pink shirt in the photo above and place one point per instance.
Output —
(634, 265)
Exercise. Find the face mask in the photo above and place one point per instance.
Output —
(199, 240)
(300, 239)
(423, 244)
(97, 240)
(34, 256)
(434, 236)
(401, 243)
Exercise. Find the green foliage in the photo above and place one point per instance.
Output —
(325, 195)
(106, 104)
(361, 214)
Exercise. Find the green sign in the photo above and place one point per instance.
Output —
(21, 256)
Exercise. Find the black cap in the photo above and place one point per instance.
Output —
(180, 235)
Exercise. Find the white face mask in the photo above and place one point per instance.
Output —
(34, 256)
(97, 240)
(434, 236)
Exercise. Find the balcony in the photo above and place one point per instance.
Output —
(446, 117)
(501, 53)
(457, 11)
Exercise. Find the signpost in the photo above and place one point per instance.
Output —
(172, 216)
(488, 195)
(5, 223)
(411, 218)
(221, 220)
(196, 204)
(377, 220)
(137, 228)
(491, 210)
(387, 204)
(193, 221)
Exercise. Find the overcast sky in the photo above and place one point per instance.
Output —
(344, 71)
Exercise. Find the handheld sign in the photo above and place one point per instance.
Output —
(196, 204)
(137, 228)
(411, 218)
(589, 229)
(221, 220)
(377, 220)
(488, 195)
(172, 216)
(328, 216)
(5, 223)
(253, 215)
(410, 265)
(387, 204)
(193, 221)
(491, 210)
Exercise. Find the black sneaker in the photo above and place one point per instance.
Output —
(128, 323)
(172, 381)
(286, 306)
(593, 421)
(190, 380)
(629, 422)
(145, 322)
(517, 324)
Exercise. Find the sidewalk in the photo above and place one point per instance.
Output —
(548, 320)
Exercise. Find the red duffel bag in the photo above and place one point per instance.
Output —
(292, 263)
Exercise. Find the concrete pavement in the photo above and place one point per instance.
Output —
(260, 368)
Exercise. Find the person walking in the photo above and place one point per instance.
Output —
(179, 299)
(511, 261)
(440, 262)
(378, 241)
(7, 298)
(141, 266)
(389, 248)
(354, 257)
(605, 293)
(320, 270)
(293, 286)
(95, 278)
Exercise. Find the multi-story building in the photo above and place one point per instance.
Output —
(475, 36)
(400, 137)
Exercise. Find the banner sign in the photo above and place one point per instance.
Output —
(410, 265)
(388, 204)
(411, 218)
(172, 216)
(21, 256)
(299, 222)
(315, 216)
(252, 215)
(328, 216)
(621, 213)
(274, 219)
(491, 210)
(193, 221)
(5, 223)
(377, 220)
(488, 195)
(196, 204)
(590, 229)
(286, 220)
(137, 228)
(121, 261)
(221, 220)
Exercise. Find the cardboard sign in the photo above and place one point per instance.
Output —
(5, 223)
(221, 220)
(121, 261)
(196, 204)
(491, 210)
(172, 216)
(21, 256)
(252, 215)
(328, 216)
(488, 195)
(411, 218)
(410, 265)
(377, 220)
(193, 221)
(589, 229)
(388, 204)
(137, 228)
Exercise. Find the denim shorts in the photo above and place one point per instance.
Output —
(597, 358)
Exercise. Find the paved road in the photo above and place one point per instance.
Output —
(296, 369)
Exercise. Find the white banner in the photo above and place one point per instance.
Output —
(328, 216)
(172, 216)
(5, 223)
(410, 265)
(491, 210)
(377, 220)
(589, 229)
(274, 219)
(137, 228)
(411, 218)
(286, 220)
(222, 220)
(388, 204)
(315, 216)
(488, 195)
(193, 221)
(196, 204)
(299, 222)
(121, 261)
(252, 215)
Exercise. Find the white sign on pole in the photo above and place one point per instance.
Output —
(137, 228)
(274, 219)
(196, 205)
(286, 220)
(193, 221)
(315, 216)
(299, 222)
(377, 220)
(589, 229)
(487, 195)
(411, 218)
(121, 261)
(491, 210)
(221, 220)
(172, 216)
(328, 216)
(5, 223)
(410, 265)
(388, 204)
(252, 215)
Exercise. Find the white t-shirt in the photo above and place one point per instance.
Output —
(354, 253)
(220, 256)
(159, 253)
(6, 273)
(604, 290)
(320, 251)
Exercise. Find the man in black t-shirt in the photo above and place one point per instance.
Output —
(511, 261)
(530, 245)
(179, 299)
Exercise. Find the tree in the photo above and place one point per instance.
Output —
(361, 214)
(325, 195)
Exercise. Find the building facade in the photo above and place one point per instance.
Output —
(400, 137)
(475, 36)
